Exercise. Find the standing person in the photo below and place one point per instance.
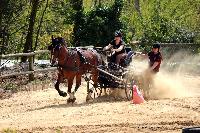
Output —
(117, 46)
(155, 59)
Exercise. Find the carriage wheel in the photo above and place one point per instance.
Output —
(107, 91)
(96, 91)
(129, 88)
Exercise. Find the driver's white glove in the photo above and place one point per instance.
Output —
(105, 48)
(113, 51)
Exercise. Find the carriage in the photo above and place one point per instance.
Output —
(84, 63)
(113, 76)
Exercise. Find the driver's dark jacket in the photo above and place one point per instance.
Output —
(113, 43)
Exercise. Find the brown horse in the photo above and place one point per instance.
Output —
(73, 64)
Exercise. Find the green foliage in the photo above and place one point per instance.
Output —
(164, 21)
(97, 26)
(93, 22)
(8, 130)
(55, 22)
(58, 130)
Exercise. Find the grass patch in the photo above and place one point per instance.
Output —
(8, 130)
(58, 130)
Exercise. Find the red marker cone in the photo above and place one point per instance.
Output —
(137, 96)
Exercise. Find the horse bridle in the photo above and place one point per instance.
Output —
(58, 46)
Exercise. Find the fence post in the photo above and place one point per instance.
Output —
(0, 59)
(31, 68)
(2, 35)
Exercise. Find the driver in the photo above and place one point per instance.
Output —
(117, 46)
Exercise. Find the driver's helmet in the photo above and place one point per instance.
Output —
(118, 34)
(157, 45)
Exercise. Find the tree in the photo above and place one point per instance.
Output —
(40, 25)
(97, 26)
(28, 46)
(78, 21)
(137, 6)
(6, 14)
(92, 22)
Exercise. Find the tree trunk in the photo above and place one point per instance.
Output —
(95, 3)
(40, 25)
(137, 7)
(1, 15)
(100, 2)
(78, 21)
(28, 46)
(3, 5)
(29, 38)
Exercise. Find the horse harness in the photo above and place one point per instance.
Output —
(72, 55)
(72, 67)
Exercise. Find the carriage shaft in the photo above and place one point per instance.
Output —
(110, 75)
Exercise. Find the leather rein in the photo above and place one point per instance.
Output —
(69, 55)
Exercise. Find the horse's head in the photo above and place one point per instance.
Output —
(55, 48)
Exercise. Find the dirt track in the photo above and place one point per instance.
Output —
(46, 111)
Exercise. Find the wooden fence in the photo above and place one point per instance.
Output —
(23, 54)
(31, 70)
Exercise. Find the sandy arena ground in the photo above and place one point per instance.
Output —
(45, 111)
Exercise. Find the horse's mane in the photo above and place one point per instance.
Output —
(61, 41)
(57, 42)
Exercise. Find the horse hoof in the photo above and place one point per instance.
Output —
(71, 100)
(63, 94)
(89, 99)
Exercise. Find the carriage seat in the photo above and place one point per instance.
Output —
(128, 56)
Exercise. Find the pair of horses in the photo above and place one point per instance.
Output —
(73, 64)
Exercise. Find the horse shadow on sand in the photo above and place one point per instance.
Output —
(100, 99)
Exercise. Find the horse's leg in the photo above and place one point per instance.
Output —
(61, 93)
(95, 81)
(71, 95)
(94, 73)
(78, 82)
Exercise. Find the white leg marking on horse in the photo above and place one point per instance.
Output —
(71, 96)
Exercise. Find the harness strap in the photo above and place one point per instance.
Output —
(68, 68)
(82, 58)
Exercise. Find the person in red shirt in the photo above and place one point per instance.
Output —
(155, 58)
